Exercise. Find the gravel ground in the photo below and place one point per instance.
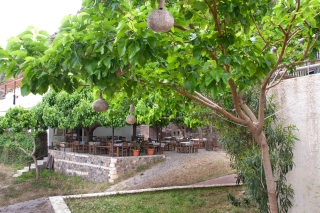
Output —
(174, 164)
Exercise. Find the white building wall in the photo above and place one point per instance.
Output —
(26, 101)
(299, 102)
(125, 131)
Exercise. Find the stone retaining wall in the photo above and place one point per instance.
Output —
(97, 168)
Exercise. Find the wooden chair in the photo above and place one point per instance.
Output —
(132, 147)
(162, 147)
(75, 146)
(144, 146)
(124, 149)
(201, 143)
(103, 148)
(180, 148)
(171, 146)
(195, 146)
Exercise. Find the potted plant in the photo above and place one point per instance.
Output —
(150, 151)
(136, 151)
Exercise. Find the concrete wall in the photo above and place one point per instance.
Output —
(97, 168)
(299, 104)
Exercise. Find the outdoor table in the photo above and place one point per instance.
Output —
(187, 144)
(167, 138)
(197, 139)
(117, 141)
(95, 148)
(118, 145)
(165, 141)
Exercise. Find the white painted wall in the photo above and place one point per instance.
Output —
(299, 100)
(24, 101)
(125, 131)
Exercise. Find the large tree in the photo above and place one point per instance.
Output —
(215, 49)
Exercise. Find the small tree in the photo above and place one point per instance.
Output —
(19, 120)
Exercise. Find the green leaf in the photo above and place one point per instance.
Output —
(133, 49)
(152, 41)
(122, 47)
(189, 86)
(197, 53)
(107, 62)
(199, 6)
(188, 15)
(25, 89)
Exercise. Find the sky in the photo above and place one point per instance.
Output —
(17, 15)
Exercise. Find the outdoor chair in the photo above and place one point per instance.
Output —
(144, 146)
(180, 148)
(132, 147)
(124, 149)
(171, 146)
(201, 143)
(195, 146)
(75, 146)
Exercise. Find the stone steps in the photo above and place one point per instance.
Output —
(41, 164)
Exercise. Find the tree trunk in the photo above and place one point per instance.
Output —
(134, 132)
(208, 145)
(200, 132)
(271, 185)
(36, 166)
(89, 132)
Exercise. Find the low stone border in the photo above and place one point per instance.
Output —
(59, 206)
(97, 168)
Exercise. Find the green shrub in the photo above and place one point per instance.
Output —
(10, 153)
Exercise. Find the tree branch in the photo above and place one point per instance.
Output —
(248, 111)
(215, 15)
(236, 99)
(278, 82)
(261, 106)
(180, 27)
(212, 106)
(281, 28)
(254, 21)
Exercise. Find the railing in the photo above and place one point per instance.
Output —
(302, 71)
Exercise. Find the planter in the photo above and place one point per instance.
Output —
(136, 152)
(150, 151)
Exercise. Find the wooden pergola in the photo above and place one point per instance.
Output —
(10, 84)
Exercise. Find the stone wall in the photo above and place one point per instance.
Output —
(97, 168)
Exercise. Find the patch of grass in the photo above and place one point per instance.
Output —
(3, 175)
(142, 168)
(157, 160)
(182, 200)
(127, 175)
(25, 187)
(12, 193)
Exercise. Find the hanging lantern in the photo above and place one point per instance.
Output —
(100, 105)
(160, 20)
(131, 119)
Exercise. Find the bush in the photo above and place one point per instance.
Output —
(10, 153)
